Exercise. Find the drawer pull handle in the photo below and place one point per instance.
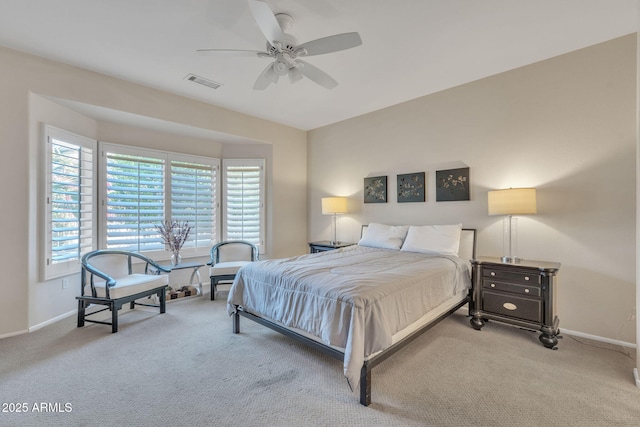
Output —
(526, 278)
(493, 273)
(510, 306)
(493, 285)
(526, 291)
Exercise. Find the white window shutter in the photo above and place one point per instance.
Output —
(195, 198)
(244, 217)
(134, 199)
(70, 219)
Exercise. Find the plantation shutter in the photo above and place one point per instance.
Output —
(194, 198)
(135, 187)
(70, 214)
(244, 201)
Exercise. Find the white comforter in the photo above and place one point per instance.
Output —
(355, 298)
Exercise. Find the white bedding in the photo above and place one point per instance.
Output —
(355, 298)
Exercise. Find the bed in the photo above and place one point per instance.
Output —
(362, 303)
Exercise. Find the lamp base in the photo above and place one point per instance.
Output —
(510, 259)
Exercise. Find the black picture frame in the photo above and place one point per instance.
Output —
(375, 189)
(411, 187)
(452, 185)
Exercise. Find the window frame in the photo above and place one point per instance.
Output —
(88, 208)
(167, 157)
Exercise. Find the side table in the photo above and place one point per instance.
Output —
(195, 273)
(520, 294)
(325, 245)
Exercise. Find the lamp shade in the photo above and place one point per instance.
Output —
(334, 205)
(512, 201)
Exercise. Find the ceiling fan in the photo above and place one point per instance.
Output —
(284, 49)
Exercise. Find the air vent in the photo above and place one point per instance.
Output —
(203, 81)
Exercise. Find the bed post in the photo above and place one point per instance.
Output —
(236, 321)
(365, 385)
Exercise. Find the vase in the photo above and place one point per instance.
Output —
(176, 258)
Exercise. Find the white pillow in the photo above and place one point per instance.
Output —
(440, 239)
(384, 236)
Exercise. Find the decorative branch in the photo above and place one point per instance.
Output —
(174, 234)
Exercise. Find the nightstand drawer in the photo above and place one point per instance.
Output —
(513, 306)
(520, 277)
(489, 283)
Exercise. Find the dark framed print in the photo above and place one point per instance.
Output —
(411, 187)
(375, 189)
(452, 185)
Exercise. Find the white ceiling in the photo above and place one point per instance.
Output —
(410, 48)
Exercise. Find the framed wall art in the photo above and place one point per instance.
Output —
(375, 189)
(452, 185)
(411, 187)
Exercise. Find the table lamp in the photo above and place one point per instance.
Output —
(510, 202)
(334, 206)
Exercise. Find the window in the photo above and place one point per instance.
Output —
(134, 200)
(244, 201)
(194, 198)
(138, 189)
(70, 218)
(144, 187)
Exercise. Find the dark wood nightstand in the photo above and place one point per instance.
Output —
(325, 245)
(521, 294)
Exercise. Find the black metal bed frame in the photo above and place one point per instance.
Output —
(369, 364)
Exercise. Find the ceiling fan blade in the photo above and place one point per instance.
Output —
(233, 52)
(330, 44)
(266, 21)
(265, 78)
(317, 75)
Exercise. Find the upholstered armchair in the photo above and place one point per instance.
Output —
(107, 278)
(227, 258)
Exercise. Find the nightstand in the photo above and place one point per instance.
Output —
(325, 245)
(520, 294)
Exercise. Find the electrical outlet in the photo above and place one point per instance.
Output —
(65, 283)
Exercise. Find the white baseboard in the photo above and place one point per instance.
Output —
(50, 321)
(597, 338)
(13, 334)
(635, 375)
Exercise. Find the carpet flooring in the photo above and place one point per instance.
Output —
(186, 368)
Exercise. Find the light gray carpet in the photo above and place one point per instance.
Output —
(186, 368)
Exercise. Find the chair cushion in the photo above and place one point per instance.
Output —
(223, 268)
(131, 284)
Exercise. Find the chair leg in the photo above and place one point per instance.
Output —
(81, 313)
(114, 318)
(214, 288)
(163, 300)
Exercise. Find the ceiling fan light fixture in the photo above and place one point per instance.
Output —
(285, 21)
(295, 74)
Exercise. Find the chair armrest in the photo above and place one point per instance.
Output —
(110, 281)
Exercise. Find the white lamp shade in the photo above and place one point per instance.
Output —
(512, 201)
(334, 205)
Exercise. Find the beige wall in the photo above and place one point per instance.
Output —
(29, 84)
(565, 126)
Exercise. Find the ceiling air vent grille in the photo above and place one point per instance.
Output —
(203, 81)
